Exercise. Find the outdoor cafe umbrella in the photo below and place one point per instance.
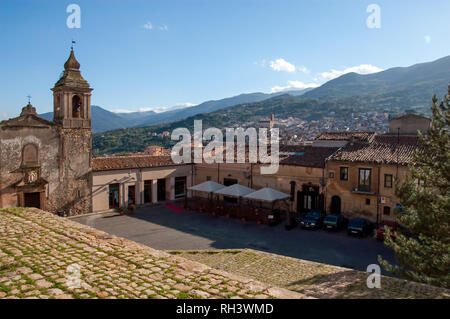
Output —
(235, 190)
(267, 194)
(207, 187)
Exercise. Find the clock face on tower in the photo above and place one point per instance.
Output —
(31, 176)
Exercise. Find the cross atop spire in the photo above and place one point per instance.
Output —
(29, 98)
(73, 42)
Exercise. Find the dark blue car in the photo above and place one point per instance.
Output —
(335, 222)
(312, 220)
(360, 227)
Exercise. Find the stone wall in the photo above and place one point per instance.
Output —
(12, 141)
(64, 164)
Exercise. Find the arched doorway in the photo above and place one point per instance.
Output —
(335, 205)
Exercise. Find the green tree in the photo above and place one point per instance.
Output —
(424, 256)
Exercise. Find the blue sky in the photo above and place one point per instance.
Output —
(159, 53)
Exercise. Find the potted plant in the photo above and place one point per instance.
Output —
(121, 209)
(131, 208)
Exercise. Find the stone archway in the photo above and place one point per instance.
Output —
(335, 205)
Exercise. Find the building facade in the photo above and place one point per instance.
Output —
(362, 176)
(47, 164)
(139, 180)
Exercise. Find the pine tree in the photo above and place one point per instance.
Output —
(424, 254)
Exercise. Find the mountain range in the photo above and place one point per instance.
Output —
(104, 120)
(396, 90)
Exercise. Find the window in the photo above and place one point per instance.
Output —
(331, 174)
(364, 179)
(386, 210)
(388, 180)
(367, 201)
(344, 174)
(208, 178)
(30, 155)
(180, 187)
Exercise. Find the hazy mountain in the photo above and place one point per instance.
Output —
(104, 120)
(411, 86)
(394, 90)
(206, 107)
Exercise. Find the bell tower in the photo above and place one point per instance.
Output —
(72, 97)
(72, 114)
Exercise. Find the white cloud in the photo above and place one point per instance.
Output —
(157, 109)
(148, 26)
(261, 63)
(427, 39)
(361, 69)
(187, 104)
(294, 85)
(303, 69)
(282, 65)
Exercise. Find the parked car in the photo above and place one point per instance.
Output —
(360, 227)
(274, 218)
(335, 222)
(381, 229)
(312, 220)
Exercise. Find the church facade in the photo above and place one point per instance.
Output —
(47, 164)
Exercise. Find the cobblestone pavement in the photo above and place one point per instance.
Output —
(309, 278)
(41, 256)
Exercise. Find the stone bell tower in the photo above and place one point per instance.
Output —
(72, 97)
(72, 113)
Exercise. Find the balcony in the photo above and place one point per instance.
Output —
(362, 189)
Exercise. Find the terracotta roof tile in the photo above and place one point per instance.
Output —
(308, 156)
(345, 136)
(385, 149)
(130, 162)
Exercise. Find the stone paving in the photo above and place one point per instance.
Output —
(310, 278)
(45, 256)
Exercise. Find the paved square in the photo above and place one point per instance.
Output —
(163, 228)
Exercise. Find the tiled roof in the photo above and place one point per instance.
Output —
(384, 149)
(130, 162)
(345, 136)
(308, 156)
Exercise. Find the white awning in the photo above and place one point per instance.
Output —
(235, 190)
(267, 194)
(207, 187)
